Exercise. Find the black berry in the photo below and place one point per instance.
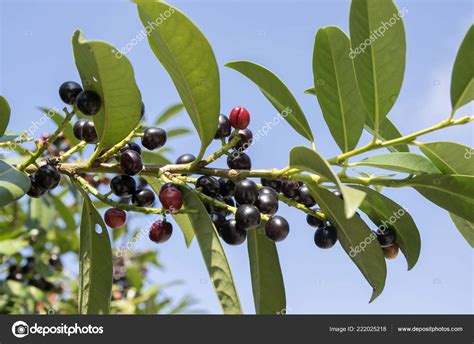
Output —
(266, 190)
(160, 231)
(123, 186)
(223, 128)
(305, 197)
(226, 186)
(209, 185)
(274, 184)
(185, 159)
(239, 117)
(290, 188)
(277, 228)
(217, 219)
(386, 237)
(68, 91)
(131, 162)
(239, 161)
(314, 221)
(247, 216)
(171, 199)
(35, 189)
(245, 139)
(153, 138)
(89, 134)
(88, 102)
(142, 111)
(131, 146)
(115, 218)
(232, 234)
(143, 198)
(267, 203)
(48, 177)
(325, 237)
(246, 192)
(229, 200)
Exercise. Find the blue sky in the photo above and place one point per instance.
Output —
(36, 57)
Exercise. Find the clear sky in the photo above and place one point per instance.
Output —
(36, 57)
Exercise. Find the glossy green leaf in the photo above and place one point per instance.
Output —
(308, 160)
(356, 239)
(462, 79)
(400, 162)
(450, 157)
(378, 53)
(13, 184)
(5, 112)
(187, 56)
(387, 131)
(385, 212)
(277, 94)
(95, 262)
(59, 119)
(465, 227)
(336, 88)
(267, 280)
(105, 71)
(169, 113)
(451, 192)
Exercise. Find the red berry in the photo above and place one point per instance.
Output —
(171, 199)
(239, 117)
(160, 231)
(115, 218)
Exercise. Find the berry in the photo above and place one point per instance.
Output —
(247, 216)
(266, 190)
(246, 192)
(232, 234)
(88, 102)
(77, 128)
(153, 138)
(143, 198)
(267, 203)
(185, 159)
(223, 128)
(209, 185)
(314, 221)
(171, 199)
(115, 217)
(239, 117)
(226, 186)
(229, 201)
(68, 91)
(277, 228)
(305, 197)
(35, 189)
(245, 139)
(89, 134)
(48, 177)
(142, 111)
(217, 219)
(290, 188)
(131, 146)
(169, 185)
(131, 162)
(123, 185)
(239, 161)
(390, 252)
(325, 237)
(338, 194)
(160, 231)
(386, 237)
(274, 184)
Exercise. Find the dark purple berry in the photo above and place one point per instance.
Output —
(239, 161)
(115, 218)
(314, 221)
(290, 188)
(273, 183)
(185, 159)
(131, 146)
(48, 177)
(89, 134)
(229, 200)
(232, 234)
(35, 189)
(123, 186)
(223, 128)
(305, 197)
(217, 219)
(267, 203)
(68, 91)
(209, 185)
(153, 138)
(245, 139)
(131, 162)
(386, 237)
(266, 190)
(247, 216)
(226, 186)
(169, 185)
(325, 237)
(143, 198)
(142, 111)
(277, 228)
(246, 192)
(160, 231)
(88, 102)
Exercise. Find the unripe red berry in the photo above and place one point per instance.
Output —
(160, 231)
(239, 117)
(115, 218)
(171, 199)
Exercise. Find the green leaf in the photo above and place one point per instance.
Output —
(308, 160)
(113, 79)
(462, 79)
(5, 112)
(42, 213)
(336, 88)
(267, 280)
(169, 113)
(65, 212)
(12, 246)
(451, 192)
(59, 119)
(465, 227)
(95, 262)
(379, 59)
(13, 184)
(450, 157)
(387, 131)
(187, 56)
(385, 212)
(177, 132)
(400, 162)
(277, 94)
(356, 239)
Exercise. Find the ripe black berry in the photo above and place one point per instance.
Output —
(217, 219)
(246, 192)
(232, 234)
(89, 134)
(267, 203)
(171, 199)
(314, 221)
(35, 189)
(229, 201)
(325, 237)
(386, 237)
(115, 218)
(88, 102)
(131, 146)
(143, 198)
(274, 184)
(131, 162)
(48, 177)
(266, 190)
(239, 161)
(226, 186)
(277, 228)
(290, 188)
(68, 91)
(247, 216)
(305, 197)
(223, 128)
(160, 231)
(142, 111)
(239, 117)
(185, 159)
(153, 138)
(209, 185)
(245, 139)
(123, 186)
